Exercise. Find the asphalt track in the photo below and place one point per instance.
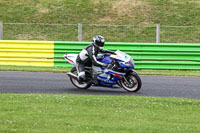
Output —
(42, 82)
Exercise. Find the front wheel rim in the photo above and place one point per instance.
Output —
(131, 85)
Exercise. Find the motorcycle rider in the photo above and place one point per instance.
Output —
(89, 56)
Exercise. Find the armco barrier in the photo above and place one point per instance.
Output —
(146, 55)
(27, 53)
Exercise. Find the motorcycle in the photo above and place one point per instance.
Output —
(119, 74)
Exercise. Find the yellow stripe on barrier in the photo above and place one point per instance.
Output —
(26, 62)
(27, 53)
(46, 45)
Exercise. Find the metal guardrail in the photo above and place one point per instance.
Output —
(155, 33)
(146, 55)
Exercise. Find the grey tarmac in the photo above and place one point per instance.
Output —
(59, 83)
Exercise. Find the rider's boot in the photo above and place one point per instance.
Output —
(81, 77)
(94, 79)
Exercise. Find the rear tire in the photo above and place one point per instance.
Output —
(77, 83)
(132, 83)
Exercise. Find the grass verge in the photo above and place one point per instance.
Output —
(82, 113)
(140, 72)
(35, 69)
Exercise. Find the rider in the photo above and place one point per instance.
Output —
(89, 56)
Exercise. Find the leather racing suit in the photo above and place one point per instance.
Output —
(89, 56)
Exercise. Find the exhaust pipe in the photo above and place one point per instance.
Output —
(72, 75)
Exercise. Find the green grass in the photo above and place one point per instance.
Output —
(35, 69)
(118, 12)
(169, 72)
(140, 12)
(82, 113)
(139, 71)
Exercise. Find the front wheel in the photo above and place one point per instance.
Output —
(77, 83)
(131, 82)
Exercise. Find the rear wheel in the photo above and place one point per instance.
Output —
(131, 83)
(77, 83)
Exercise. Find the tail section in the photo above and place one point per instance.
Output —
(71, 58)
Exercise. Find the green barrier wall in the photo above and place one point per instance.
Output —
(145, 55)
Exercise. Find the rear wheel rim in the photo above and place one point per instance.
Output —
(76, 83)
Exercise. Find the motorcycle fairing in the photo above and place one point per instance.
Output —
(106, 77)
(71, 58)
(109, 78)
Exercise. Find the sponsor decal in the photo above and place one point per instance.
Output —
(105, 80)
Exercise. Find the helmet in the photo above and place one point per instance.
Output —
(98, 41)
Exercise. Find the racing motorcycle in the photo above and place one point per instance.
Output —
(119, 74)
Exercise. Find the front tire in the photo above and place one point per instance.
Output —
(131, 82)
(77, 83)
